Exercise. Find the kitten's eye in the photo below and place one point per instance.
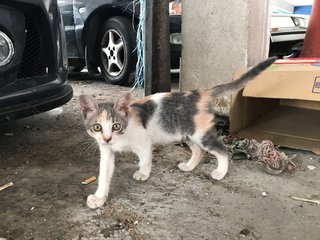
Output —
(116, 127)
(97, 127)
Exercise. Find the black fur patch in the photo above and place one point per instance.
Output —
(177, 112)
(145, 110)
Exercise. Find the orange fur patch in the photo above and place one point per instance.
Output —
(102, 117)
(134, 114)
(203, 120)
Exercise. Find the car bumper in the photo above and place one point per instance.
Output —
(35, 79)
(288, 36)
(34, 100)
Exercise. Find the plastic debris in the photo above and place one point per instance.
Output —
(311, 167)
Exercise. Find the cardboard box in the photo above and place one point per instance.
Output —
(281, 105)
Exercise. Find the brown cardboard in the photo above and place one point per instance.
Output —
(281, 105)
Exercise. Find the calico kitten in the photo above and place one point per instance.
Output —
(161, 118)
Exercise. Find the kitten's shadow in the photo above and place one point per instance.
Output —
(122, 181)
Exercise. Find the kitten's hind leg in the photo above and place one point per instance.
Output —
(222, 168)
(211, 144)
(145, 162)
(196, 157)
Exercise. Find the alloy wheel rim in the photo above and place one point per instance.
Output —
(113, 53)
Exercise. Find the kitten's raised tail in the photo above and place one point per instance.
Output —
(238, 84)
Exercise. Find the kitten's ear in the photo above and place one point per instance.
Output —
(122, 105)
(87, 105)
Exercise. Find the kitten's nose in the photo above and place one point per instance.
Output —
(107, 139)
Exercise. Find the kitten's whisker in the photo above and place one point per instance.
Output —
(87, 148)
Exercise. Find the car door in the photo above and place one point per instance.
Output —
(66, 8)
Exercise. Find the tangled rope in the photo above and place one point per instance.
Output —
(275, 162)
(140, 66)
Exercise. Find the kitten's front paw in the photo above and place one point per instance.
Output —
(218, 175)
(94, 202)
(139, 176)
(184, 167)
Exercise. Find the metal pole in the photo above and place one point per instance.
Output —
(148, 47)
(157, 47)
(161, 77)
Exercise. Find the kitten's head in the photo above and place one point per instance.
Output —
(105, 121)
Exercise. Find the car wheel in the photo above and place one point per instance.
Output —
(117, 55)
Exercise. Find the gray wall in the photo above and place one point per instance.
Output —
(219, 38)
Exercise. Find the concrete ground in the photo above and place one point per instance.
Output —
(48, 156)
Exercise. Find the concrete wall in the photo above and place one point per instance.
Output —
(220, 37)
(258, 31)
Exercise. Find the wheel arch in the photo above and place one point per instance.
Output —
(91, 31)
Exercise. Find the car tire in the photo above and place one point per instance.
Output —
(117, 43)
